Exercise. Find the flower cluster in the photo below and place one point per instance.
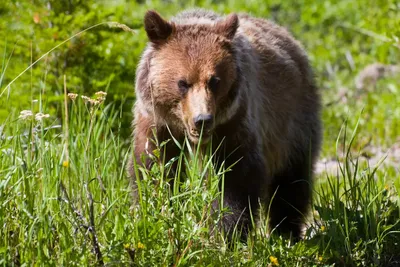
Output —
(28, 115)
(25, 115)
(39, 116)
(97, 100)
(72, 96)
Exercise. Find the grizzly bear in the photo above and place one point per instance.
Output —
(242, 82)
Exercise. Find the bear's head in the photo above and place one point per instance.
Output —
(192, 73)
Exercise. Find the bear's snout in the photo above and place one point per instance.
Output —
(201, 128)
(203, 122)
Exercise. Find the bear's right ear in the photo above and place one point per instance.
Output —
(158, 30)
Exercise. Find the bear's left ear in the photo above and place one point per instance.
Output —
(158, 30)
(228, 26)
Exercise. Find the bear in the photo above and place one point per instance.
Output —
(243, 82)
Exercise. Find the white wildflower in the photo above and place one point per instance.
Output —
(72, 96)
(94, 102)
(39, 116)
(101, 94)
(26, 115)
(100, 97)
(85, 98)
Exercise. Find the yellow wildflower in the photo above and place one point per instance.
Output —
(65, 163)
(140, 245)
(274, 260)
(323, 228)
(320, 258)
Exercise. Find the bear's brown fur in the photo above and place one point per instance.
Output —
(247, 83)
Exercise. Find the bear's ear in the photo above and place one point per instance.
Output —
(158, 30)
(228, 26)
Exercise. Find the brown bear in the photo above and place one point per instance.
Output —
(243, 82)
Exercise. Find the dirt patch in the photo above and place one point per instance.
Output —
(371, 155)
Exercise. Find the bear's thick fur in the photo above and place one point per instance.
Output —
(247, 83)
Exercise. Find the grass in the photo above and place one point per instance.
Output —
(65, 198)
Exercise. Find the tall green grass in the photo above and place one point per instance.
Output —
(65, 199)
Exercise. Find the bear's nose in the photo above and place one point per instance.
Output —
(203, 120)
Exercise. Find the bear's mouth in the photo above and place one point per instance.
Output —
(196, 137)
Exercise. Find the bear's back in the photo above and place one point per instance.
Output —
(274, 42)
(283, 101)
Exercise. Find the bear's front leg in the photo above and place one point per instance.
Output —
(292, 200)
(242, 191)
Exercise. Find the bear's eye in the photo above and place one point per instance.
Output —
(213, 83)
(183, 86)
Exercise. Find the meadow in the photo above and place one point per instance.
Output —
(66, 91)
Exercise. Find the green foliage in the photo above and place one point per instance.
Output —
(64, 195)
(66, 200)
(358, 212)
